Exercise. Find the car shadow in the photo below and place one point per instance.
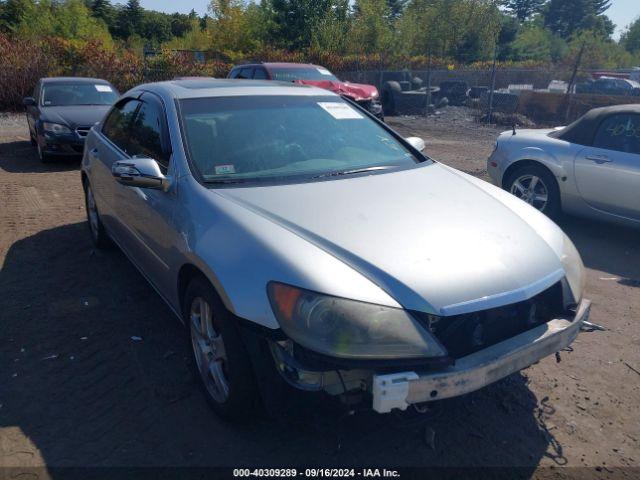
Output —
(606, 247)
(96, 371)
(21, 157)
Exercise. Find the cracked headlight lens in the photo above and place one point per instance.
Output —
(345, 328)
(573, 268)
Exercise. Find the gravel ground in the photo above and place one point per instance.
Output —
(77, 389)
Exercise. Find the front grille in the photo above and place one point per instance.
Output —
(464, 334)
(83, 131)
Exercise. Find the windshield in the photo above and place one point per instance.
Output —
(235, 139)
(68, 94)
(302, 73)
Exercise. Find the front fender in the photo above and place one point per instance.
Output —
(539, 155)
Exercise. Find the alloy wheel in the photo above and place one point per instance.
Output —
(209, 350)
(532, 190)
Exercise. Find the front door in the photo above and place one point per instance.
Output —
(608, 172)
(147, 214)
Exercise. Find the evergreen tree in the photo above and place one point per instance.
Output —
(523, 10)
(630, 39)
(567, 17)
(129, 21)
(396, 8)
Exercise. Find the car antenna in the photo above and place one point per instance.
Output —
(514, 128)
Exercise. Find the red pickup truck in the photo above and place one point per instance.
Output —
(308, 74)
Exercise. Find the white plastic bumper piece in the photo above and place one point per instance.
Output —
(478, 369)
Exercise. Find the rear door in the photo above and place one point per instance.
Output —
(608, 172)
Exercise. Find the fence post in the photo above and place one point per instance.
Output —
(493, 83)
(427, 110)
(573, 80)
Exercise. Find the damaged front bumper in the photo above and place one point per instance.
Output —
(472, 372)
(479, 369)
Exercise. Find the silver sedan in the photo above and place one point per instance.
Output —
(305, 245)
(590, 168)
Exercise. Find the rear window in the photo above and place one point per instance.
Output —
(302, 73)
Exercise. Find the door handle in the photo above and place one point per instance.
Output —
(600, 159)
(94, 152)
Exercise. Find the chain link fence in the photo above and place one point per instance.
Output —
(523, 97)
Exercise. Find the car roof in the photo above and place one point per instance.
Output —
(206, 87)
(276, 65)
(584, 129)
(74, 80)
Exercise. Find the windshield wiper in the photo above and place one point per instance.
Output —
(354, 171)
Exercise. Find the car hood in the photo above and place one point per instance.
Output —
(355, 91)
(432, 239)
(76, 115)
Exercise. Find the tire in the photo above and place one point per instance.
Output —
(43, 157)
(220, 358)
(389, 91)
(519, 183)
(99, 235)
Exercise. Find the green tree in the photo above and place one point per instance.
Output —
(129, 19)
(370, 31)
(103, 10)
(396, 8)
(291, 22)
(568, 17)
(523, 10)
(630, 39)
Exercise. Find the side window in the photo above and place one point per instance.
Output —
(117, 124)
(260, 74)
(234, 73)
(620, 133)
(246, 73)
(146, 133)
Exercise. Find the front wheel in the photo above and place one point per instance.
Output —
(42, 156)
(536, 186)
(99, 235)
(221, 358)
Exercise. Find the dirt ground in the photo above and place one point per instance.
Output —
(95, 369)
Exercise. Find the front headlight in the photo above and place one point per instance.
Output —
(573, 268)
(345, 328)
(56, 128)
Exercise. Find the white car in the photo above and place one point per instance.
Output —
(590, 168)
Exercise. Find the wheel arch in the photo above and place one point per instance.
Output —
(525, 163)
(186, 274)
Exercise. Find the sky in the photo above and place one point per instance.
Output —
(622, 12)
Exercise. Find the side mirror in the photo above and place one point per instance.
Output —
(417, 143)
(140, 172)
(28, 101)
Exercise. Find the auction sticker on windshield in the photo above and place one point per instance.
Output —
(103, 88)
(340, 111)
(324, 71)
(225, 169)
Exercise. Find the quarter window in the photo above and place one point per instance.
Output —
(620, 133)
(260, 74)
